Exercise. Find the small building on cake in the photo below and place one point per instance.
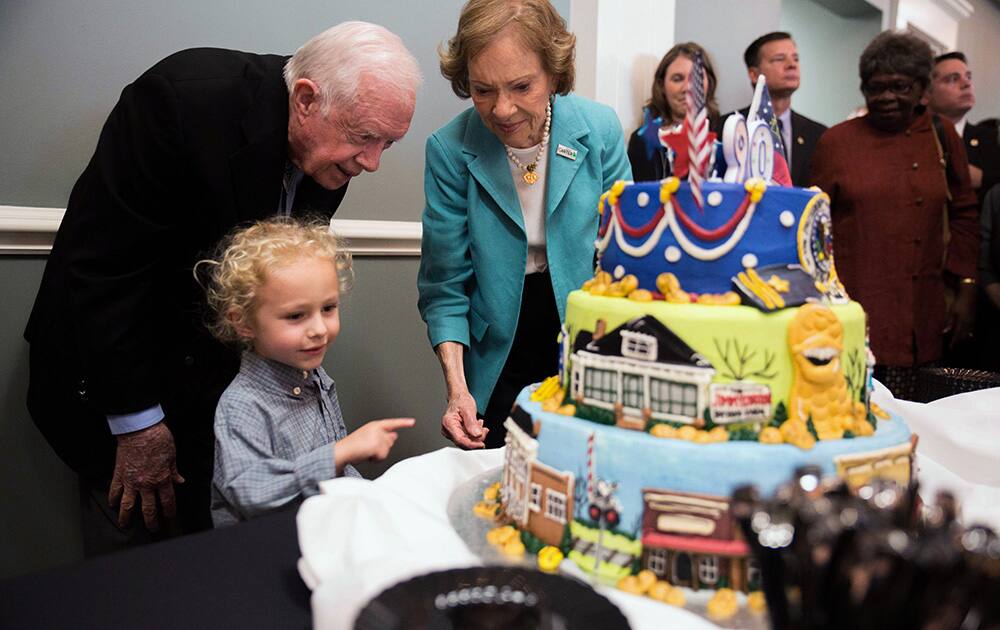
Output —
(691, 540)
(538, 498)
(640, 371)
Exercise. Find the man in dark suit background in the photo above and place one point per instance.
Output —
(124, 377)
(775, 56)
(951, 95)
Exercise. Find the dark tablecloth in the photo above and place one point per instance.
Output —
(242, 576)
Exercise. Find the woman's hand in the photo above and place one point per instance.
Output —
(371, 442)
(460, 423)
(962, 318)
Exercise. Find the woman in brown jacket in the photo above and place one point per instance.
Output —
(898, 182)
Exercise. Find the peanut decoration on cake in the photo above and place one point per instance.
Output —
(819, 389)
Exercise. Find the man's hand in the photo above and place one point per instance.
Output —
(461, 425)
(371, 442)
(976, 176)
(145, 466)
(962, 318)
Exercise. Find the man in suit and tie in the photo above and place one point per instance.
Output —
(776, 57)
(950, 95)
(124, 377)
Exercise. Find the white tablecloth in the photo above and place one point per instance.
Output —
(359, 537)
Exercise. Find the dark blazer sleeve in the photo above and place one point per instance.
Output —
(962, 255)
(983, 150)
(644, 169)
(805, 136)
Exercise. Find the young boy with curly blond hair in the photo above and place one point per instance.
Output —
(275, 288)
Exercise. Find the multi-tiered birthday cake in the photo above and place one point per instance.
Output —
(715, 347)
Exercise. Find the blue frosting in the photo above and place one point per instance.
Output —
(766, 238)
(638, 460)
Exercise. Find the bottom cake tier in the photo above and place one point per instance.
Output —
(641, 502)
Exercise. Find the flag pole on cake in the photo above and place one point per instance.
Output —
(762, 109)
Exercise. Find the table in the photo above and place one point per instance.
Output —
(242, 576)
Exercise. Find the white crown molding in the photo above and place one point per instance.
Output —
(28, 230)
(960, 9)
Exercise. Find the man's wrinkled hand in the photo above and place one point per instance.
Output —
(145, 470)
(461, 425)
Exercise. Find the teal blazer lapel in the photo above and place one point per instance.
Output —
(489, 167)
(567, 130)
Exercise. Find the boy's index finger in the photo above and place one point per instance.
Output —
(392, 424)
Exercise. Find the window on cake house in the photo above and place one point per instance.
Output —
(632, 391)
(638, 346)
(656, 561)
(708, 570)
(683, 399)
(555, 505)
(535, 500)
(601, 385)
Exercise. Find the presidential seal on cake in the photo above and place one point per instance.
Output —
(714, 347)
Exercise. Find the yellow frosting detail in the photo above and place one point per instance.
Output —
(662, 430)
(641, 295)
(485, 509)
(600, 203)
(752, 281)
(819, 389)
(756, 602)
(492, 492)
(756, 187)
(770, 435)
(719, 434)
(513, 548)
(546, 390)
(723, 604)
(778, 284)
(549, 558)
(668, 187)
(616, 191)
(646, 579)
(630, 584)
(729, 298)
(502, 535)
(567, 410)
(687, 432)
(550, 405)
(668, 284)
(879, 413)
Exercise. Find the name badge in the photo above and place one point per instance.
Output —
(566, 152)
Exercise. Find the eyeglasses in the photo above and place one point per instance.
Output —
(899, 88)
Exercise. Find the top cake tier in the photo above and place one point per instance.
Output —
(743, 233)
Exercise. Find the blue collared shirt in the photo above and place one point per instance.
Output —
(274, 432)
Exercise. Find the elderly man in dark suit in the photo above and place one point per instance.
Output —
(951, 94)
(124, 378)
(776, 57)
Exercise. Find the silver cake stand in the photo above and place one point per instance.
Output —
(473, 529)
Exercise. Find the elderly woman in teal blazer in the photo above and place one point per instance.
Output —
(510, 220)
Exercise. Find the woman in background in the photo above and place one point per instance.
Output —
(511, 188)
(891, 175)
(667, 107)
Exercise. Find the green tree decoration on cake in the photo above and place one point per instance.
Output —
(780, 415)
(855, 371)
(738, 361)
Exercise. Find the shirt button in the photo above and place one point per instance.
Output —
(914, 166)
(907, 132)
(296, 390)
(189, 360)
(920, 201)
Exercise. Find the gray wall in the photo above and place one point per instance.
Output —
(979, 38)
(829, 47)
(64, 63)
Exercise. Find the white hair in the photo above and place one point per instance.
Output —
(340, 57)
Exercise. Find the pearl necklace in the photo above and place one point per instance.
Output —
(530, 176)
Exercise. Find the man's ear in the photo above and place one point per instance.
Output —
(240, 324)
(305, 98)
(753, 72)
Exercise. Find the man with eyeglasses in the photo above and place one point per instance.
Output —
(898, 181)
(951, 95)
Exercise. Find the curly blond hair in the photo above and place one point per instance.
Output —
(537, 24)
(233, 277)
